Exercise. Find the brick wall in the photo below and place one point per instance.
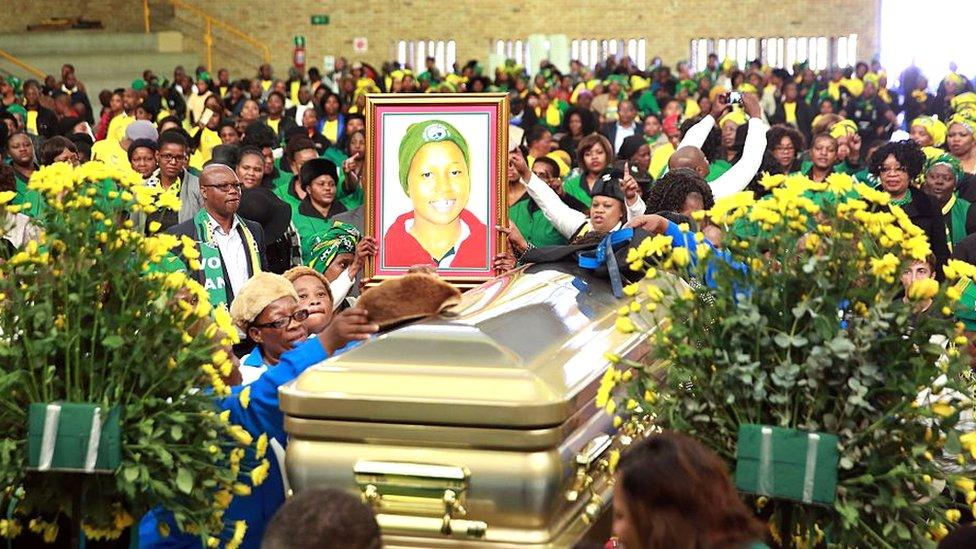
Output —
(124, 15)
(668, 25)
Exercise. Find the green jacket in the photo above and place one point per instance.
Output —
(351, 200)
(575, 187)
(532, 223)
(25, 195)
(311, 226)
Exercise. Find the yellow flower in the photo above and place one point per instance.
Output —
(925, 288)
(631, 290)
(7, 196)
(241, 489)
(654, 293)
(261, 446)
(154, 226)
(885, 267)
(953, 515)
(612, 459)
(681, 256)
(223, 498)
(245, 397)
(224, 416)
(625, 324)
(943, 409)
(939, 531)
(966, 484)
(769, 181)
(240, 434)
(163, 529)
(240, 528)
(259, 473)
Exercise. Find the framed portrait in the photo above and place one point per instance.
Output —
(434, 183)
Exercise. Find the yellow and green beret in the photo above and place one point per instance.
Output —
(422, 133)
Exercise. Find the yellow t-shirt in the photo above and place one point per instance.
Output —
(331, 130)
(110, 152)
(32, 122)
(116, 128)
(659, 160)
(790, 110)
(273, 124)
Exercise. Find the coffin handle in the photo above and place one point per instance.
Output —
(588, 462)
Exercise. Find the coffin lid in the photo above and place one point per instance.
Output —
(524, 350)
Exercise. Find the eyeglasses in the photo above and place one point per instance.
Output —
(226, 187)
(886, 169)
(298, 316)
(166, 158)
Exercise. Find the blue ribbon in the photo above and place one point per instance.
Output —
(604, 255)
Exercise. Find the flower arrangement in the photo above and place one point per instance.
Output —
(798, 322)
(86, 315)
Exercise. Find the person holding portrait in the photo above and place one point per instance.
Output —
(435, 173)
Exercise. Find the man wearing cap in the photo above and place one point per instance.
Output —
(266, 310)
(313, 217)
(230, 248)
(689, 155)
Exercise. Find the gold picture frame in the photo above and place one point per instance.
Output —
(460, 217)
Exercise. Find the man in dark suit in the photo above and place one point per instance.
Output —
(231, 248)
(622, 128)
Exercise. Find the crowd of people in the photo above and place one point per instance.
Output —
(265, 175)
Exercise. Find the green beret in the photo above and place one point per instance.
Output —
(138, 84)
(422, 133)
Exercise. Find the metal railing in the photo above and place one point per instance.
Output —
(209, 23)
(23, 65)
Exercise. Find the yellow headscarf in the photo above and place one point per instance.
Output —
(934, 127)
(638, 83)
(737, 117)
(842, 128)
(968, 98)
(562, 159)
(964, 121)
(714, 92)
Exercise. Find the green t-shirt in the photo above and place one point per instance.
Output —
(351, 200)
(533, 225)
(575, 187)
(647, 103)
(310, 229)
(716, 169)
(25, 195)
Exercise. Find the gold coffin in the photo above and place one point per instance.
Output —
(476, 429)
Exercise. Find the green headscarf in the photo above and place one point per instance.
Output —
(947, 159)
(341, 238)
(422, 133)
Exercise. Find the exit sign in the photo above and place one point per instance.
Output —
(320, 19)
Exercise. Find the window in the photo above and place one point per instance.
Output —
(589, 51)
(819, 52)
(513, 49)
(414, 53)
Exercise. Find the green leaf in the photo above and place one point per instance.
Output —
(902, 531)
(113, 341)
(184, 480)
(130, 474)
(176, 432)
(953, 446)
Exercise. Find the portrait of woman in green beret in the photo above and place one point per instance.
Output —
(435, 173)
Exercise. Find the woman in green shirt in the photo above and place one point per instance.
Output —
(313, 218)
(941, 175)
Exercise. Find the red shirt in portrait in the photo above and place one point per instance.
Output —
(401, 249)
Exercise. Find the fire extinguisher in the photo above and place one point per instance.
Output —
(298, 57)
